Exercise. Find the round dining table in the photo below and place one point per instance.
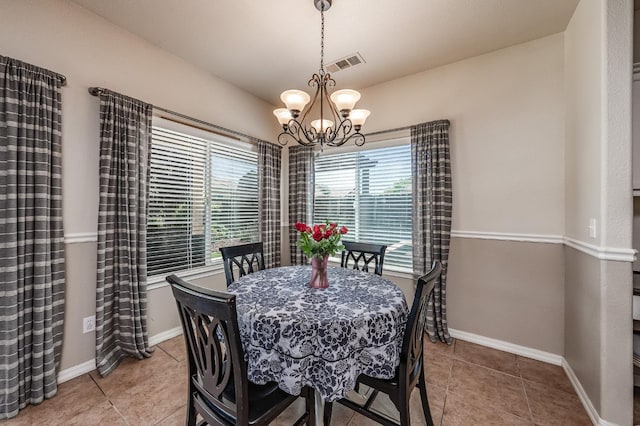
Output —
(323, 338)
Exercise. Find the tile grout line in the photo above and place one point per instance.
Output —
(163, 350)
(524, 389)
(446, 389)
(109, 400)
(169, 415)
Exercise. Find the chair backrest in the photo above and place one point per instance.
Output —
(411, 361)
(245, 258)
(362, 255)
(217, 370)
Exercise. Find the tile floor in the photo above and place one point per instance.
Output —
(468, 384)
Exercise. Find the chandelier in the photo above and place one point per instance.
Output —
(335, 121)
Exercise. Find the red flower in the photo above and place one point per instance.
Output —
(321, 239)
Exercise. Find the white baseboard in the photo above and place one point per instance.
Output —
(584, 398)
(76, 371)
(508, 347)
(88, 366)
(165, 335)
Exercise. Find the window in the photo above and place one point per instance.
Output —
(369, 192)
(203, 195)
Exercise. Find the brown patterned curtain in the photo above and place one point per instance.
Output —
(269, 170)
(431, 173)
(32, 264)
(121, 297)
(301, 176)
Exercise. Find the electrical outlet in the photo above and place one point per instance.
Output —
(89, 324)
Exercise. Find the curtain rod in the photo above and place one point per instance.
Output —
(397, 129)
(97, 91)
(61, 77)
(380, 132)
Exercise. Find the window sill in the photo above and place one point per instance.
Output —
(158, 281)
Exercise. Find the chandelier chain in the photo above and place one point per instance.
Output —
(322, 41)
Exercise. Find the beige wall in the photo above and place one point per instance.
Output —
(598, 329)
(508, 290)
(66, 38)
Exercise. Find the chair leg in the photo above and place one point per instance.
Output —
(191, 412)
(310, 406)
(405, 418)
(328, 409)
(422, 385)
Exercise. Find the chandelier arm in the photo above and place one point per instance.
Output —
(285, 135)
(300, 134)
(342, 130)
(357, 137)
(314, 81)
(283, 138)
(330, 82)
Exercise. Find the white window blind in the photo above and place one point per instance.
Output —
(369, 192)
(203, 195)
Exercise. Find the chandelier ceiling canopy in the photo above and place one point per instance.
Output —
(329, 120)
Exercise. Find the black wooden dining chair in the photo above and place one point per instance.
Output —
(410, 372)
(363, 255)
(219, 390)
(245, 258)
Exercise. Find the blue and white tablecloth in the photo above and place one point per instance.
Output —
(324, 338)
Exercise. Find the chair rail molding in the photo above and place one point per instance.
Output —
(80, 237)
(603, 253)
(504, 236)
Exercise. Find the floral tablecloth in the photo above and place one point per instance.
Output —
(324, 338)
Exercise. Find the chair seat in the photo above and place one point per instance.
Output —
(386, 385)
(256, 392)
(262, 399)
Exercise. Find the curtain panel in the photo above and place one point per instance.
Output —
(431, 174)
(121, 297)
(269, 170)
(301, 176)
(32, 263)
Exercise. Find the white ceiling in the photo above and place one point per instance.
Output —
(265, 47)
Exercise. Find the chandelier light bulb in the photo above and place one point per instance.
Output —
(321, 126)
(295, 100)
(283, 115)
(359, 116)
(345, 99)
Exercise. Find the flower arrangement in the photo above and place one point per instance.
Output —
(320, 240)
